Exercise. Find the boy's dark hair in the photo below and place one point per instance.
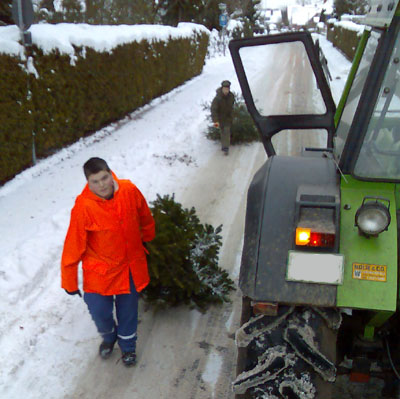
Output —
(95, 165)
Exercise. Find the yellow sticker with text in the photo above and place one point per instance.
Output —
(364, 271)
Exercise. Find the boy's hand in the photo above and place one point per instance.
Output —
(77, 292)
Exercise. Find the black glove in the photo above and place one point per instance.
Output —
(77, 292)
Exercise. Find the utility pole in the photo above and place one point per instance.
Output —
(22, 13)
(223, 20)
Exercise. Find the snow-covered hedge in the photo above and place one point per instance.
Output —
(344, 35)
(79, 77)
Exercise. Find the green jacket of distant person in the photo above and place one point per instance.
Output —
(222, 106)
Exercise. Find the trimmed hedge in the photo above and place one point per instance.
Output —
(344, 39)
(16, 123)
(68, 101)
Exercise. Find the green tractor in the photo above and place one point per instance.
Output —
(319, 269)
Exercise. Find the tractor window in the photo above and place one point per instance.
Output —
(283, 83)
(380, 152)
(293, 142)
(355, 93)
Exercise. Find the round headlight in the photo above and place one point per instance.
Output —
(372, 218)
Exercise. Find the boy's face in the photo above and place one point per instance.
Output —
(101, 184)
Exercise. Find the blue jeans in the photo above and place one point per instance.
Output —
(101, 308)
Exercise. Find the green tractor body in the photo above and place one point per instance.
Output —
(319, 270)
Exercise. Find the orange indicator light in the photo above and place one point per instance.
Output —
(303, 236)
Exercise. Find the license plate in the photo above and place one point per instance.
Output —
(315, 268)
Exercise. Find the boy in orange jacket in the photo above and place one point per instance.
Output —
(109, 223)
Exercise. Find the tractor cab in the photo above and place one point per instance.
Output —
(320, 245)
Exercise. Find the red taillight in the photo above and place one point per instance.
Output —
(322, 240)
(309, 238)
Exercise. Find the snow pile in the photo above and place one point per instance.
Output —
(349, 25)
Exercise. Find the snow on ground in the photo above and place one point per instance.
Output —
(338, 65)
(46, 335)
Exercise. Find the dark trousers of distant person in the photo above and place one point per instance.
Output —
(225, 137)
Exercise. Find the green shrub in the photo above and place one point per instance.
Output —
(243, 128)
(243, 30)
(183, 259)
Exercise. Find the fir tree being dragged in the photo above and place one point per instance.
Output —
(183, 259)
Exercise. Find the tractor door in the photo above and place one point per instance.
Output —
(289, 91)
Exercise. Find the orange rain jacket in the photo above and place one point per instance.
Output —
(107, 236)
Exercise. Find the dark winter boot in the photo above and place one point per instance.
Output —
(129, 359)
(106, 349)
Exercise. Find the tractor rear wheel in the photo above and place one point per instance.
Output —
(290, 355)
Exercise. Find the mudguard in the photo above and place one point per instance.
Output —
(270, 228)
